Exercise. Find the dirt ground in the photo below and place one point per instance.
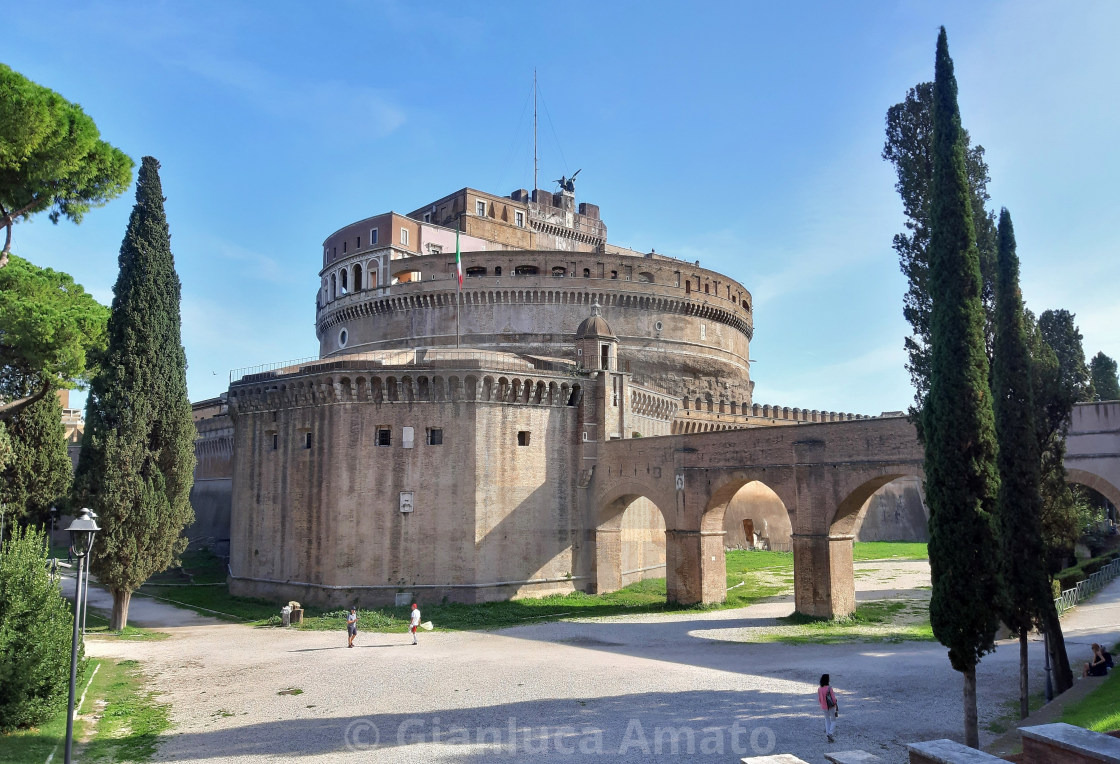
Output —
(682, 687)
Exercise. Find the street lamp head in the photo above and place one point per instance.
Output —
(82, 531)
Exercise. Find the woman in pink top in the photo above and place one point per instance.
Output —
(827, 698)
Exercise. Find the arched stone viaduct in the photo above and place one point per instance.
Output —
(1093, 448)
(823, 473)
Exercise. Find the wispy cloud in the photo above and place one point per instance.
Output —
(252, 264)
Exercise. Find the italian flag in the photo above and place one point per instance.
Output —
(458, 260)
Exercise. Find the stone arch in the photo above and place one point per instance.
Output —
(1098, 483)
(848, 511)
(356, 277)
(423, 389)
(471, 392)
(377, 390)
(630, 539)
(487, 388)
(538, 394)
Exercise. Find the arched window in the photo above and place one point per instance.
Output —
(357, 278)
(342, 274)
(526, 270)
(587, 273)
(645, 277)
(334, 287)
(559, 271)
(497, 270)
(475, 272)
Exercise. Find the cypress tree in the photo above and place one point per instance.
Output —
(1026, 588)
(960, 442)
(39, 472)
(137, 461)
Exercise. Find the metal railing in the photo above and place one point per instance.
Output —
(1085, 588)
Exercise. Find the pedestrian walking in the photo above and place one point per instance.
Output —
(827, 699)
(351, 626)
(415, 622)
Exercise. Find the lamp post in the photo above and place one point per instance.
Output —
(82, 531)
(85, 587)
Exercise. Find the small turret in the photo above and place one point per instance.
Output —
(596, 344)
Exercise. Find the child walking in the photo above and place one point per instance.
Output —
(827, 698)
(351, 627)
(415, 622)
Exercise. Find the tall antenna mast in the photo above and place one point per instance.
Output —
(534, 129)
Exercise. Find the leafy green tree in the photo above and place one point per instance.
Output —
(51, 332)
(909, 147)
(137, 460)
(35, 632)
(960, 439)
(51, 157)
(1106, 387)
(38, 474)
(5, 446)
(1062, 334)
(1026, 586)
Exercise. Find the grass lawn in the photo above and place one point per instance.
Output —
(1099, 710)
(131, 719)
(751, 576)
(890, 550)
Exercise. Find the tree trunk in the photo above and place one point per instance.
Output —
(121, 598)
(1024, 689)
(9, 409)
(1059, 661)
(971, 732)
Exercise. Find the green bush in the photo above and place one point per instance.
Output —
(1092, 566)
(1069, 580)
(35, 632)
(1055, 589)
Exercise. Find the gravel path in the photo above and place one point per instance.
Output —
(618, 689)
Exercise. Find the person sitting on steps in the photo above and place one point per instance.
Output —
(1098, 666)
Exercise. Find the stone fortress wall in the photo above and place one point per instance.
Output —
(364, 477)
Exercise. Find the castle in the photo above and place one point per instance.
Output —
(443, 443)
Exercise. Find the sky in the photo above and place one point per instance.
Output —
(744, 135)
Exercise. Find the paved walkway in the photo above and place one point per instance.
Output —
(669, 688)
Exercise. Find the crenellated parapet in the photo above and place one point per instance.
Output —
(706, 415)
(343, 381)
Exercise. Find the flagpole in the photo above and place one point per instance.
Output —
(458, 278)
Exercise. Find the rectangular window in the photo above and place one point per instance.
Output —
(407, 437)
(307, 440)
(344, 248)
(384, 436)
(358, 243)
(520, 218)
(372, 236)
(523, 438)
(480, 208)
(275, 441)
(435, 249)
(435, 436)
(404, 236)
(427, 217)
